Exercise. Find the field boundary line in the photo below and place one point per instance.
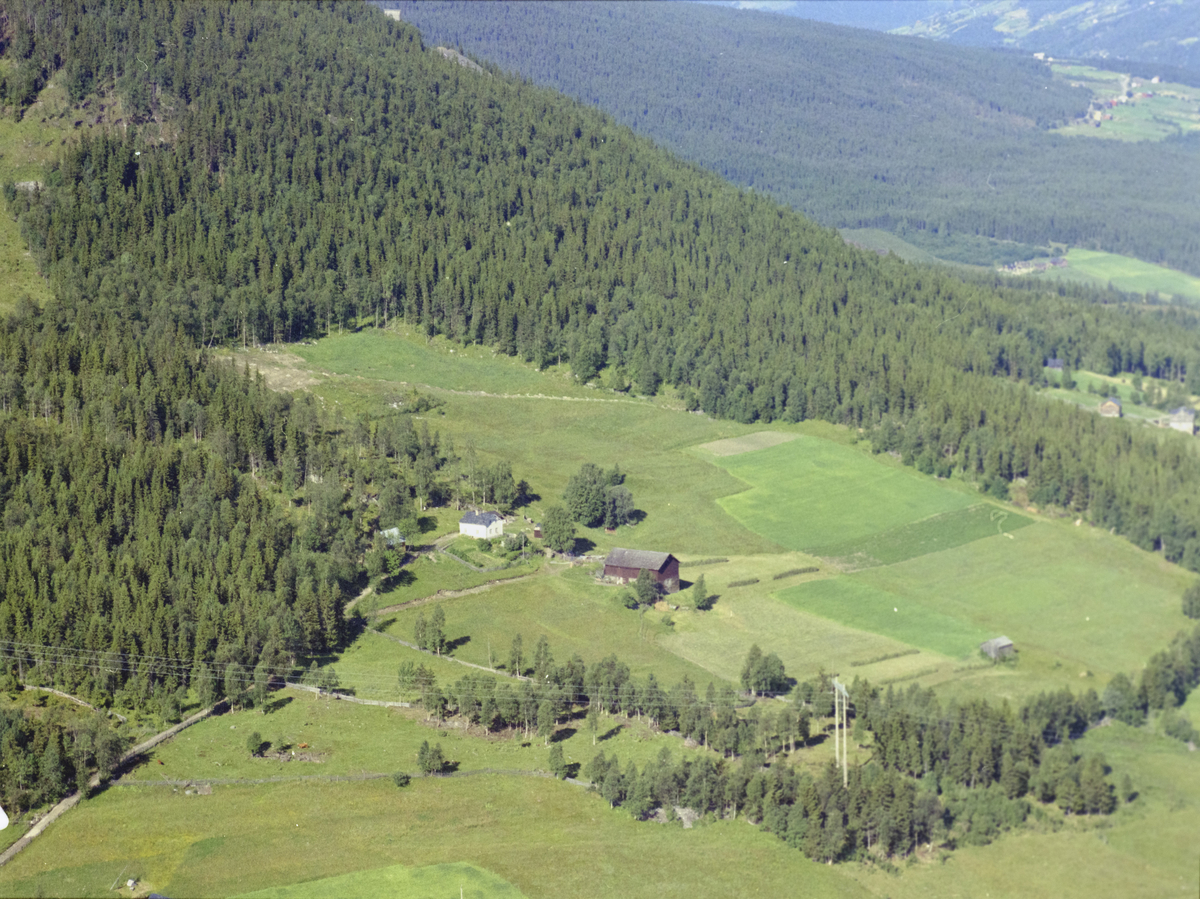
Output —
(450, 594)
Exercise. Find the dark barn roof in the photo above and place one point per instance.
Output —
(484, 518)
(637, 558)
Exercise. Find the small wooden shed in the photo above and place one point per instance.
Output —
(626, 564)
(997, 648)
(1111, 408)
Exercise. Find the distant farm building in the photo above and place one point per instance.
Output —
(1054, 364)
(997, 648)
(626, 564)
(392, 537)
(1182, 419)
(484, 525)
(1111, 408)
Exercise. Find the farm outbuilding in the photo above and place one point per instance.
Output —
(626, 564)
(997, 648)
(1111, 408)
(1182, 419)
(484, 525)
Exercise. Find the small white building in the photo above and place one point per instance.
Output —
(483, 525)
(1182, 419)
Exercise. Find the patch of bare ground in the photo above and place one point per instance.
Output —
(734, 446)
(283, 371)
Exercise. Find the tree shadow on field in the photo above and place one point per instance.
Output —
(583, 546)
(276, 704)
(563, 734)
(452, 645)
(608, 734)
(571, 769)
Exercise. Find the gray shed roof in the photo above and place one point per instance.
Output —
(637, 558)
(995, 643)
(484, 518)
(1183, 412)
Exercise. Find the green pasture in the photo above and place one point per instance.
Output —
(25, 147)
(811, 493)
(719, 639)
(1079, 603)
(466, 548)
(1172, 110)
(347, 738)
(545, 837)
(943, 531)
(1126, 273)
(851, 602)
(548, 434)
(405, 358)
(576, 615)
(399, 882)
(425, 576)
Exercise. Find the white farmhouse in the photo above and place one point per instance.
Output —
(485, 525)
(1182, 419)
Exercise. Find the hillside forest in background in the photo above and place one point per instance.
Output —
(856, 129)
(287, 171)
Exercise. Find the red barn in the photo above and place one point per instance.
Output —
(626, 564)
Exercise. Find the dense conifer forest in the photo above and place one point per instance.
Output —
(291, 170)
(854, 128)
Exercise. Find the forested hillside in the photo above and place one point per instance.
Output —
(854, 128)
(294, 169)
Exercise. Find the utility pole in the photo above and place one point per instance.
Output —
(840, 720)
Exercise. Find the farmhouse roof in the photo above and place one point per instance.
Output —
(1114, 400)
(484, 518)
(637, 558)
(1055, 363)
(1183, 412)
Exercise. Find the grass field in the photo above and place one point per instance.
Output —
(547, 439)
(399, 882)
(1073, 600)
(576, 615)
(1126, 273)
(547, 838)
(1172, 110)
(810, 493)
(943, 531)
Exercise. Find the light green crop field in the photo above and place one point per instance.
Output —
(811, 493)
(944, 531)
(1073, 600)
(850, 601)
(399, 882)
(1126, 273)
(545, 837)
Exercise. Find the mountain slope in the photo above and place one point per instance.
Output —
(854, 128)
